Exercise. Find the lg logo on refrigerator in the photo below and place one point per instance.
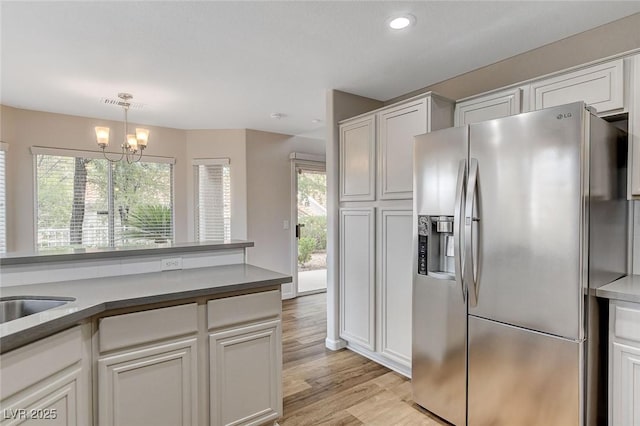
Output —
(565, 115)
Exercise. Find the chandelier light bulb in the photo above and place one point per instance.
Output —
(102, 136)
(142, 136)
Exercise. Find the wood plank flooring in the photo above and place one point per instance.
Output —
(323, 387)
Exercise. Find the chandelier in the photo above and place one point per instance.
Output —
(134, 143)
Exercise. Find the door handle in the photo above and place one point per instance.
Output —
(470, 267)
(457, 227)
(299, 229)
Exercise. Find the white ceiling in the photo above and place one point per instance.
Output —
(214, 65)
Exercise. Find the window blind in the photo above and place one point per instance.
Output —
(213, 199)
(90, 202)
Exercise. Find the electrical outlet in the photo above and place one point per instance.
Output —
(172, 264)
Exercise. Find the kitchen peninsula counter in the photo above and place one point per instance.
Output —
(101, 280)
(626, 289)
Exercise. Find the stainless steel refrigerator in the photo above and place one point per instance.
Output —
(516, 222)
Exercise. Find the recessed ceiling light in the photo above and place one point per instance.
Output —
(401, 22)
(316, 121)
(276, 115)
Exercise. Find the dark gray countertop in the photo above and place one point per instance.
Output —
(626, 289)
(69, 255)
(97, 295)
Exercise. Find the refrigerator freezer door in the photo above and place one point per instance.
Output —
(527, 258)
(436, 162)
(521, 377)
(439, 310)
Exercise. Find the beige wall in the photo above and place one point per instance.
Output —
(220, 144)
(22, 129)
(610, 39)
(269, 196)
(262, 189)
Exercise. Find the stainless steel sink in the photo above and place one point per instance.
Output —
(12, 308)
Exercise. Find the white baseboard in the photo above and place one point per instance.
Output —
(376, 357)
(334, 345)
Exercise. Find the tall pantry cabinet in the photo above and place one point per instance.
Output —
(376, 225)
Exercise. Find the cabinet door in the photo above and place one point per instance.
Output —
(357, 160)
(496, 105)
(600, 86)
(634, 127)
(357, 247)
(245, 368)
(398, 126)
(47, 382)
(155, 385)
(626, 385)
(395, 284)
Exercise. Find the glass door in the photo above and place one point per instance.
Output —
(311, 229)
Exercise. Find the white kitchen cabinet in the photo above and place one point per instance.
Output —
(148, 367)
(387, 135)
(395, 256)
(357, 276)
(357, 159)
(624, 363)
(47, 382)
(245, 374)
(398, 126)
(600, 86)
(154, 385)
(245, 359)
(488, 107)
(634, 127)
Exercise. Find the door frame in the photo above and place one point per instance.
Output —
(303, 161)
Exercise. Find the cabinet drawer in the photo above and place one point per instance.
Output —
(246, 308)
(600, 86)
(29, 364)
(137, 328)
(627, 321)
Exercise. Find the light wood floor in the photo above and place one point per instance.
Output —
(323, 387)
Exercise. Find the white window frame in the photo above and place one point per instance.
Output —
(4, 147)
(63, 152)
(224, 161)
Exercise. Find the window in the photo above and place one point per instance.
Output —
(212, 199)
(3, 195)
(86, 201)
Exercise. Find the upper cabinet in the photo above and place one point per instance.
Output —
(357, 159)
(489, 107)
(600, 86)
(398, 126)
(391, 142)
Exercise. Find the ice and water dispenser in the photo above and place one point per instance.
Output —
(435, 247)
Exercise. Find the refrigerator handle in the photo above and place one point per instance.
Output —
(457, 226)
(469, 264)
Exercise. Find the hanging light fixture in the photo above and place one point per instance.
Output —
(133, 144)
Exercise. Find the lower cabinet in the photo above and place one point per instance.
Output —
(395, 281)
(245, 374)
(376, 283)
(47, 382)
(624, 363)
(154, 385)
(164, 366)
(147, 367)
(245, 359)
(357, 276)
